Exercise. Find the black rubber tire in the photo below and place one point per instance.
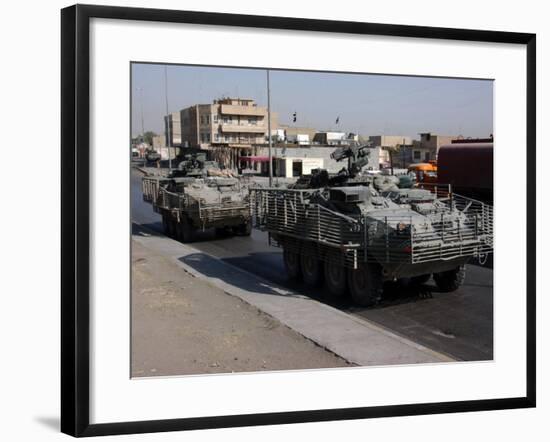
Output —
(172, 228)
(366, 284)
(185, 231)
(450, 280)
(312, 268)
(244, 229)
(420, 280)
(221, 232)
(336, 279)
(165, 225)
(292, 264)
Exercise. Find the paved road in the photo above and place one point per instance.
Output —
(459, 324)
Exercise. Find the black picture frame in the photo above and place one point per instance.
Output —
(75, 212)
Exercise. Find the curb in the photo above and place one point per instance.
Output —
(356, 340)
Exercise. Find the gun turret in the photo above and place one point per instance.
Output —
(357, 155)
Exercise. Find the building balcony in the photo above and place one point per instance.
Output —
(229, 109)
(238, 141)
(243, 128)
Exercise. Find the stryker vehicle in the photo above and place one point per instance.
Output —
(198, 196)
(152, 155)
(355, 231)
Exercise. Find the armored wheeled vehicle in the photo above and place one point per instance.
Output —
(199, 196)
(152, 156)
(355, 231)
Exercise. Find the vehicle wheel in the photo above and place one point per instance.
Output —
(185, 231)
(312, 268)
(221, 232)
(244, 229)
(366, 284)
(292, 264)
(450, 280)
(335, 278)
(420, 280)
(172, 228)
(165, 225)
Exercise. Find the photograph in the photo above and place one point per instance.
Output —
(266, 222)
(286, 219)
(282, 219)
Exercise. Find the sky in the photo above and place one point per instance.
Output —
(366, 104)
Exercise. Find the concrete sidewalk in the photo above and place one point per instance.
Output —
(357, 341)
(181, 325)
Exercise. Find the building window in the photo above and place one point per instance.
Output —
(207, 118)
(252, 120)
(208, 138)
(226, 120)
(215, 118)
(416, 154)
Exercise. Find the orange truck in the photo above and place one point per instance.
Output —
(425, 172)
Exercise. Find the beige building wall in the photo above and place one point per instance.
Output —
(173, 128)
(385, 141)
(159, 141)
(287, 167)
(428, 146)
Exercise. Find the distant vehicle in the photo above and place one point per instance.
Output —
(424, 172)
(135, 152)
(152, 156)
(199, 195)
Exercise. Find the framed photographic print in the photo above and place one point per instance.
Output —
(307, 220)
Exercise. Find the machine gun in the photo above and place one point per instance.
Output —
(357, 155)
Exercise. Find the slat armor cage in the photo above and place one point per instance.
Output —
(177, 203)
(296, 223)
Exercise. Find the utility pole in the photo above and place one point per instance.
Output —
(140, 90)
(269, 131)
(167, 117)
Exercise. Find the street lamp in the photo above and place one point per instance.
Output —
(269, 131)
(167, 117)
(140, 90)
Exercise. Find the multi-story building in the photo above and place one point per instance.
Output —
(397, 144)
(406, 151)
(172, 129)
(229, 127)
(427, 147)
